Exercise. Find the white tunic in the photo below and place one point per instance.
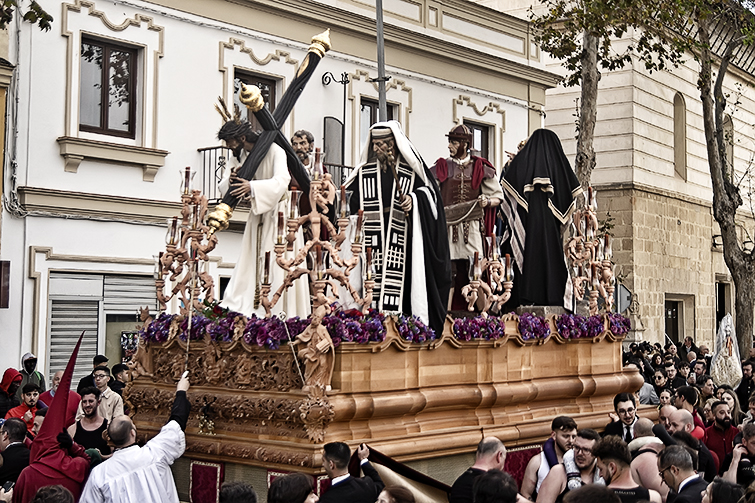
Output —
(270, 195)
(138, 474)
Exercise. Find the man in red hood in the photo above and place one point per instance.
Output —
(55, 458)
(8, 387)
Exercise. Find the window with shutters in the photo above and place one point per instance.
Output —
(103, 307)
(68, 319)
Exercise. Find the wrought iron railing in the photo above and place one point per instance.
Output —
(215, 161)
(339, 172)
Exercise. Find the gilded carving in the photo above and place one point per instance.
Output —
(261, 415)
(236, 366)
(316, 413)
(203, 447)
(271, 455)
(319, 354)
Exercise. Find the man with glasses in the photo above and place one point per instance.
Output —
(88, 380)
(626, 407)
(577, 470)
(676, 470)
(674, 379)
(111, 403)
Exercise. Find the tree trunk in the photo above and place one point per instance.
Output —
(588, 112)
(726, 197)
(744, 303)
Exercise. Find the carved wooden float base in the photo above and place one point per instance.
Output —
(409, 401)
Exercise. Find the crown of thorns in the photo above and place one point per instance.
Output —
(226, 114)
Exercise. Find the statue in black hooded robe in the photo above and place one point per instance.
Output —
(540, 190)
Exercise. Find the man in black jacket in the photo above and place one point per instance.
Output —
(625, 407)
(14, 452)
(344, 487)
(491, 454)
(739, 465)
(676, 470)
(746, 386)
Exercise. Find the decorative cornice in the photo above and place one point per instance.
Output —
(103, 207)
(362, 27)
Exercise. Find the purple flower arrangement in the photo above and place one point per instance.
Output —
(271, 332)
(412, 329)
(574, 326)
(571, 326)
(532, 326)
(352, 326)
(490, 328)
(343, 326)
(158, 330)
(619, 324)
(198, 325)
(221, 329)
(595, 326)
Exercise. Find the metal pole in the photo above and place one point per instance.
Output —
(382, 107)
(345, 80)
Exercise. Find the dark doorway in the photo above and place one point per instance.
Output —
(672, 320)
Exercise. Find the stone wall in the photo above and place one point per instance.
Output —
(663, 251)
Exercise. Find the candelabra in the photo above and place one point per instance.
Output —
(497, 289)
(589, 256)
(184, 261)
(321, 250)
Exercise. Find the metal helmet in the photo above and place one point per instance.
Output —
(460, 133)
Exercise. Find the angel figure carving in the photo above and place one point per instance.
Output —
(319, 353)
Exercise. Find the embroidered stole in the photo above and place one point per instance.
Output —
(388, 243)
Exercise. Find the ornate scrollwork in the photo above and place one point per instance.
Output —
(316, 413)
(234, 368)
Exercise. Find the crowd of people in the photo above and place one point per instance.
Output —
(702, 448)
(24, 405)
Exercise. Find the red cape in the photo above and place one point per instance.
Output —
(50, 464)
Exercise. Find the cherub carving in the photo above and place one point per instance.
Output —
(319, 354)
